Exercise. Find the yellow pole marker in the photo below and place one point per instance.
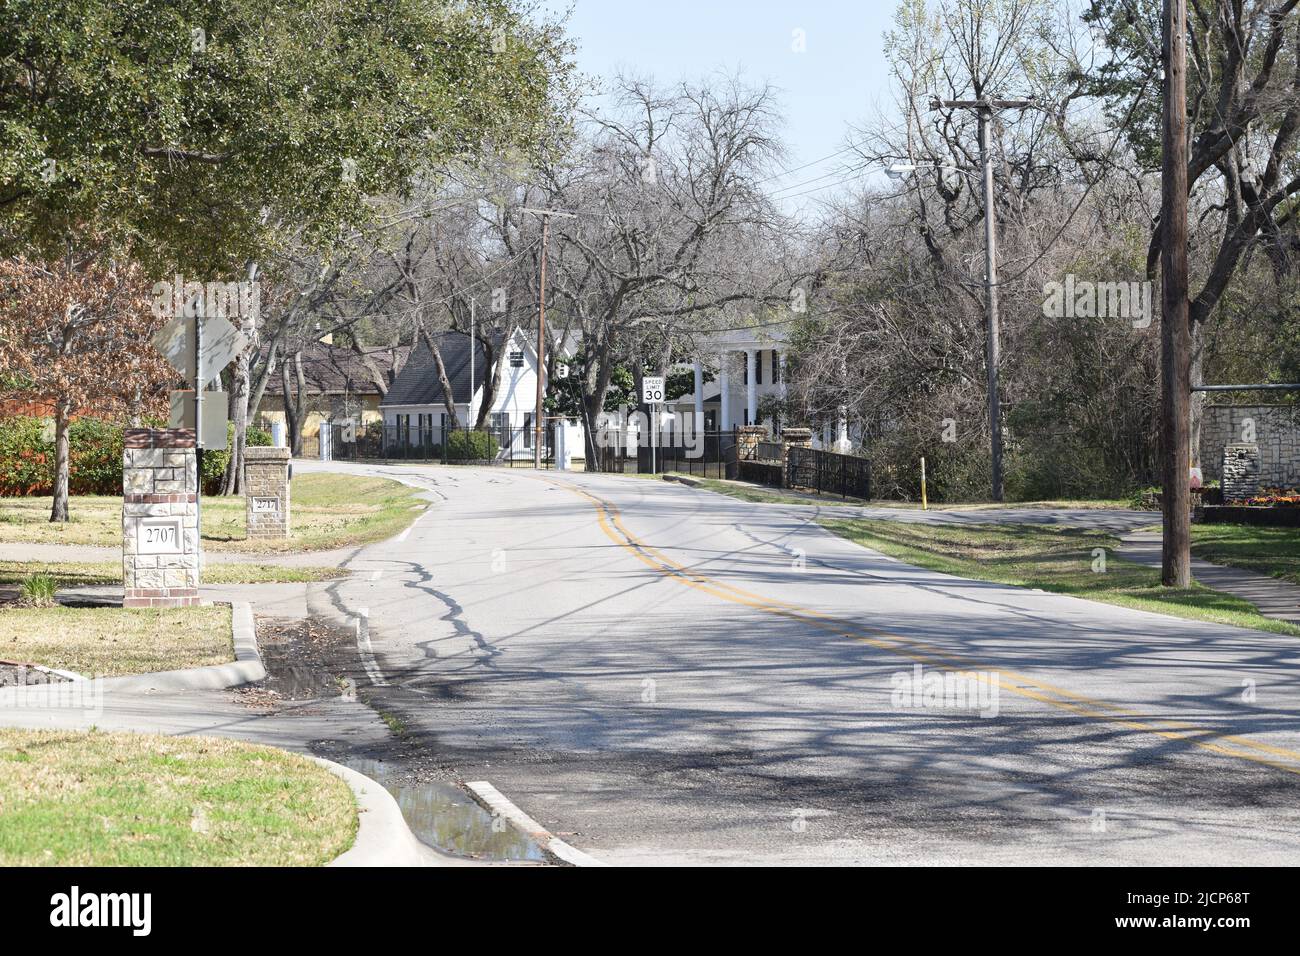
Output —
(925, 505)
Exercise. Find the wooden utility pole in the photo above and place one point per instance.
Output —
(546, 215)
(1175, 334)
(993, 349)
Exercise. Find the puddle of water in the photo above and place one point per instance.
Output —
(444, 818)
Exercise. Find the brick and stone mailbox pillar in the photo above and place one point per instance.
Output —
(266, 478)
(160, 518)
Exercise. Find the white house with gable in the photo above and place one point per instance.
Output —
(415, 412)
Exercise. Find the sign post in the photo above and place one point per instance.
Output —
(198, 347)
(652, 394)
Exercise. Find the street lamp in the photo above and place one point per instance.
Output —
(903, 170)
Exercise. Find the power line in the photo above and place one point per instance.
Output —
(787, 172)
(858, 173)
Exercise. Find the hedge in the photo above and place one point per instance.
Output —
(27, 457)
(95, 447)
(471, 446)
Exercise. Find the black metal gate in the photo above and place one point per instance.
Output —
(828, 472)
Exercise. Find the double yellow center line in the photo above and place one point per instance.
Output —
(1228, 745)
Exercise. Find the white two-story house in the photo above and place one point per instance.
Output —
(415, 411)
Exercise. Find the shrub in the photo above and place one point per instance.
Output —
(38, 589)
(471, 446)
(1145, 499)
(95, 457)
(215, 462)
(95, 467)
(26, 458)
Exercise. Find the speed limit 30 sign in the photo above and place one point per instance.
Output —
(652, 389)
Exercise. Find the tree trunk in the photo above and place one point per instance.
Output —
(491, 383)
(59, 510)
(232, 483)
(592, 406)
(293, 404)
(260, 379)
(1198, 398)
(448, 399)
(593, 401)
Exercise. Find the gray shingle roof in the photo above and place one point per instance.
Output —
(337, 370)
(418, 384)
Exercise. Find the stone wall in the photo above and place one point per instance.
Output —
(266, 484)
(1276, 430)
(160, 518)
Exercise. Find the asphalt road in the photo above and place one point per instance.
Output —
(660, 674)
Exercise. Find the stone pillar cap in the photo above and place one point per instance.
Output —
(266, 452)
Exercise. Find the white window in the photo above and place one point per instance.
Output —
(517, 358)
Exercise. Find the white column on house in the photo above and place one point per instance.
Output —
(842, 444)
(699, 396)
(751, 386)
(780, 366)
(724, 393)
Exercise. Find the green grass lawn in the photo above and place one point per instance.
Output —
(112, 641)
(794, 496)
(117, 799)
(326, 511)
(77, 573)
(1051, 559)
(1272, 551)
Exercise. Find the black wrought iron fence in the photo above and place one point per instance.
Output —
(506, 445)
(707, 455)
(829, 472)
(768, 451)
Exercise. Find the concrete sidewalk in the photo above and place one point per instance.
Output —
(1279, 600)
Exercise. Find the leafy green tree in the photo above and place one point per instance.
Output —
(564, 395)
(205, 128)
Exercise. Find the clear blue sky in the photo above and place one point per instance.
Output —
(840, 79)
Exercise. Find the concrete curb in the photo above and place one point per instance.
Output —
(383, 838)
(246, 668)
(689, 482)
(492, 800)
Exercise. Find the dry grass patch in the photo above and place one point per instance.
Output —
(78, 573)
(326, 511)
(112, 641)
